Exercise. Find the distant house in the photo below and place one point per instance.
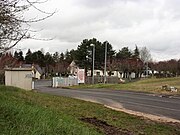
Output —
(73, 68)
(116, 74)
(136, 64)
(96, 72)
(148, 72)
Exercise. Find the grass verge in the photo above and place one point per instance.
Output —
(23, 112)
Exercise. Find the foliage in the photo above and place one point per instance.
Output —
(56, 57)
(38, 58)
(2, 78)
(69, 56)
(19, 55)
(48, 59)
(166, 68)
(136, 52)
(127, 62)
(28, 57)
(83, 54)
(124, 53)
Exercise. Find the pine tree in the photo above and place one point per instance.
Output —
(136, 52)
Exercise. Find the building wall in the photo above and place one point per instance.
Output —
(21, 79)
(96, 73)
(36, 74)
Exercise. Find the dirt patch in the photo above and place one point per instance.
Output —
(105, 127)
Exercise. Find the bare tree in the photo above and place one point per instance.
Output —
(13, 25)
(145, 56)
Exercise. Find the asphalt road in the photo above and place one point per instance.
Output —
(159, 105)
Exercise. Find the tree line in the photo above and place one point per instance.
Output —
(124, 60)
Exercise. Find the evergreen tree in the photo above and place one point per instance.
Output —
(84, 53)
(136, 52)
(20, 56)
(16, 54)
(56, 57)
(68, 56)
(48, 60)
(124, 53)
(28, 57)
(62, 56)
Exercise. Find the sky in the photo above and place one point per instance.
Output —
(123, 23)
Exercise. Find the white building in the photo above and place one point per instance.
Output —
(19, 77)
(73, 68)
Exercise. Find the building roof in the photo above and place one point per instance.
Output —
(18, 69)
(33, 66)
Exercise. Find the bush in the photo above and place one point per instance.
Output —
(2, 78)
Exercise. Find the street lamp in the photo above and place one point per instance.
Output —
(105, 62)
(93, 62)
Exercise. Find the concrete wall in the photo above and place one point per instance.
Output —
(19, 78)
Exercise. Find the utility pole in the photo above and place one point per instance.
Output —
(105, 62)
(93, 62)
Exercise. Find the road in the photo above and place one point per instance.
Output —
(158, 105)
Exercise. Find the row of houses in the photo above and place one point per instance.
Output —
(39, 72)
(21, 74)
(73, 68)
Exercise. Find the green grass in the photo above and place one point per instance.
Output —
(145, 85)
(31, 113)
(24, 113)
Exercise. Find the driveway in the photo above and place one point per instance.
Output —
(128, 101)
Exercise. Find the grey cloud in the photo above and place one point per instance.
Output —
(121, 22)
(103, 3)
(97, 3)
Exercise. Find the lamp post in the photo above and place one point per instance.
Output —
(105, 62)
(93, 62)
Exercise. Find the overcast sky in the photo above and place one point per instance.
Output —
(124, 23)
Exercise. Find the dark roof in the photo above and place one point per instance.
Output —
(36, 67)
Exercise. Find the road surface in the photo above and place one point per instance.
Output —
(158, 105)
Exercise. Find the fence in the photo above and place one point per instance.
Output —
(64, 82)
(70, 81)
(100, 79)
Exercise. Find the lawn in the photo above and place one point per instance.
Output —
(31, 113)
(152, 85)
